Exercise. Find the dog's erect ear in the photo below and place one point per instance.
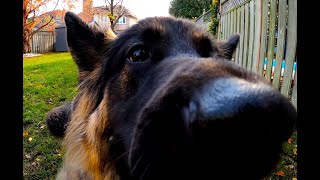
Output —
(227, 48)
(86, 44)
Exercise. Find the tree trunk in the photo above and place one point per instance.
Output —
(112, 26)
(26, 40)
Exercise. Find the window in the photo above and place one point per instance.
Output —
(96, 18)
(105, 19)
(122, 20)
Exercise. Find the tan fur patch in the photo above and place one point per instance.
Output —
(83, 140)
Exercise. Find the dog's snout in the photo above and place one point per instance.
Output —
(237, 101)
(231, 120)
(227, 97)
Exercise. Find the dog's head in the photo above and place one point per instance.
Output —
(163, 101)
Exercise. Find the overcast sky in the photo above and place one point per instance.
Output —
(141, 8)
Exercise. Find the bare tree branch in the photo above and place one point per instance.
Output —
(32, 19)
(44, 25)
(118, 3)
(33, 32)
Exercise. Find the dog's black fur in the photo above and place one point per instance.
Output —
(177, 108)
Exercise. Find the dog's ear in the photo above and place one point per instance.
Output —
(85, 44)
(226, 49)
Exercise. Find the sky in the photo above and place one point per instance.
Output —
(140, 8)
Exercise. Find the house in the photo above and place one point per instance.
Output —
(57, 20)
(99, 15)
(89, 14)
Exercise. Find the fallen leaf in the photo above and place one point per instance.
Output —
(25, 134)
(295, 151)
(42, 126)
(280, 173)
(38, 159)
(30, 139)
(289, 141)
(28, 156)
(291, 166)
(294, 178)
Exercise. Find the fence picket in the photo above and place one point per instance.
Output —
(42, 42)
(246, 36)
(291, 47)
(282, 13)
(271, 39)
(251, 35)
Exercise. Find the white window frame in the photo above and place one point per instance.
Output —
(125, 20)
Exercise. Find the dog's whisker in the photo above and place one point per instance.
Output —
(136, 164)
(130, 152)
(119, 157)
(145, 171)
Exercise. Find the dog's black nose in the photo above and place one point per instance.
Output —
(235, 98)
(238, 124)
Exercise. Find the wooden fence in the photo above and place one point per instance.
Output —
(268, 39)
(42, 42)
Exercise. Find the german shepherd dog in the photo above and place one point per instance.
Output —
(162, 100)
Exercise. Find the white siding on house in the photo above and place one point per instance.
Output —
(96, 18)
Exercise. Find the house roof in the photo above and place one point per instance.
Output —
(105, 9)
(57, 15)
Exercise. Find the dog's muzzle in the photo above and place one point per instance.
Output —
(220, 129)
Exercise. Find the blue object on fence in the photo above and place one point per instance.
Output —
(274, 62)
(283, 64)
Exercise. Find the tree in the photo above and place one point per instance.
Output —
(31, 18)
(116, 11)
(213, 26)
(190, 9)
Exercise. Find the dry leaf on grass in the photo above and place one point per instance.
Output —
(295, 151)
(280, 173)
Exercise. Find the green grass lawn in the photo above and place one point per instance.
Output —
(50, 80)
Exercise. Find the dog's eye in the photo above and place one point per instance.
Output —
(138, 54)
